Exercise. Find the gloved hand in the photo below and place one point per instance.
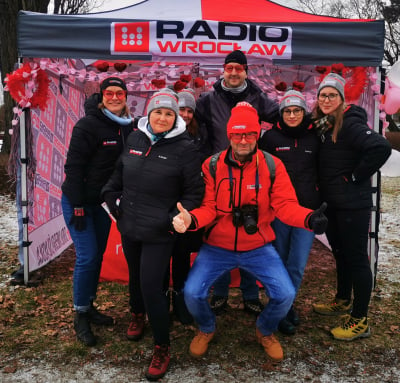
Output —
(78, 219)
(112, 201)
(317, 220)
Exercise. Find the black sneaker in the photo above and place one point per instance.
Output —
(293, 317)
(219, 304)
(286, 327)
(253, 306)
(17, 276)
(96, 317)
(83, 331)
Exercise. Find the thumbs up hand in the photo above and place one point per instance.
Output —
(182, 220)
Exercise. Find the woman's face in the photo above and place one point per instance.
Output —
(161, 120)
(329, 100)
(114, 99)
(187, 114)
(292, 116)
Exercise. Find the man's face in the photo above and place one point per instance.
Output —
(234, 74)
(242, 147)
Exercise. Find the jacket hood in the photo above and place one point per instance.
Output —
(179, 128)
(355, 111)
(91, 104)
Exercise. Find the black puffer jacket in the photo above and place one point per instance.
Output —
(95, 146)
(213, 110)
(298, 149)
(346, 167)
(152, 179)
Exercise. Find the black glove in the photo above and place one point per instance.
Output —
(78, 219)
(317, 220)
(112, 201)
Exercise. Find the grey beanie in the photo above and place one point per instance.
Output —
(335, 81)
(163, 99)
(293, 98)
(186, 99)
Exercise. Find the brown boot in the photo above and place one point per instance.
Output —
(136, 327)
(271, 345)
(199, 344)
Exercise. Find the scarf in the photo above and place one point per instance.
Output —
(239, 89)
(125, 120)
(155, 137)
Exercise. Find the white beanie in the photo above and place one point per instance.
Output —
(186, 99)
(293, 98)
(163, 100)
(335, 81)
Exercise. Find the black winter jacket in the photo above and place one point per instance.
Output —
(95, 146)
(298, 149)
(152, 179)
(213, 110)
(346, 167)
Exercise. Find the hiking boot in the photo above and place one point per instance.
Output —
(159, 363)
(336, 307)
(253, 306)
(218, 304)
(96, 317)
(136, 327)
(83, 331)
(352, 328)
(293, 317)
(271, 345)
(286, 327)
(180, 309)
(199, 344)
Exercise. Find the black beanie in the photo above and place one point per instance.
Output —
(236, 57)
(112, 81)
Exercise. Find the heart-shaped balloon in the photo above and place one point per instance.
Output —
(120, 67)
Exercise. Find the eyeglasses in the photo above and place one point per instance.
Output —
(296, 112)
(238, 137)
(239, 68)
(330, 96)
(109, 94)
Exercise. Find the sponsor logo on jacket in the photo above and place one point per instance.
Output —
(135, 152)
(110, 142)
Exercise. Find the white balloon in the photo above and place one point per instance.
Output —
(394, 74)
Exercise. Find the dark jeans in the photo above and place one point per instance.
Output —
(147, 264)
(347, 234)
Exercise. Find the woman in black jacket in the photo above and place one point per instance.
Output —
(158, 167)
(294, 141)
(96, 143)
(350, 153)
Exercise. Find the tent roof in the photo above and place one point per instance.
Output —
(203, 31)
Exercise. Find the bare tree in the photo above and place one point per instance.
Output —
(8, 40)
(364, 9)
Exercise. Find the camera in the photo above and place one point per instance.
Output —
(246, 216)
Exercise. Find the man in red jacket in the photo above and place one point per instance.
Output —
(237, 211)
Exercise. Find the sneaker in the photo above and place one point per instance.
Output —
(293, 317)
(96, 317)
(336, 307)
(83, 331)
(136, 327)
(159, 363)
(17, 276)
(352, 328)
(218, 304)
(271, 345)
(286, 327)
(180, 309)
(199, 344)
(253, 306)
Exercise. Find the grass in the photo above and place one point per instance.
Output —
(37, 321)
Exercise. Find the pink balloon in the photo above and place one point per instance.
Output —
(392, 100)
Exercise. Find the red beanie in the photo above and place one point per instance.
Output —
(244, 119)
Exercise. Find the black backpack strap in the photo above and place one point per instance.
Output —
(271, 166)
(213, 164)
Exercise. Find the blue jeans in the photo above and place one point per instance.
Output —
(264, 263)
(248, 285)
(293, 245)
(90, 245)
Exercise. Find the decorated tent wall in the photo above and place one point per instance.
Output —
(77, 52)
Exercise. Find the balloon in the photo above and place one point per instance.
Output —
(392, 100)
(394, 74)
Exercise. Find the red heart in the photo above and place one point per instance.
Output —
(120, 67)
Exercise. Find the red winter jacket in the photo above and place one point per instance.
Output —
(216, 210)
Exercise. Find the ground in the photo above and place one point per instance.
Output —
(37, 342)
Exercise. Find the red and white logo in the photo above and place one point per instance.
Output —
(130, 37)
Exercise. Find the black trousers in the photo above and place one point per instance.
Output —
(148, 264)
(347, 234)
